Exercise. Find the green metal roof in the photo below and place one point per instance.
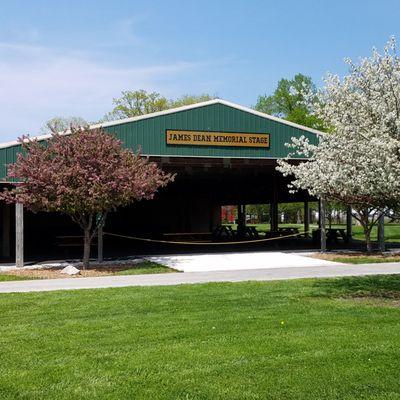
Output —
(149, 132)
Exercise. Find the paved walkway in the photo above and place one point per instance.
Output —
(268, 274)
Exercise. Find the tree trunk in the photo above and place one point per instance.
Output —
(367, 233)
(367, 228)
(86, 248)
(298, 215)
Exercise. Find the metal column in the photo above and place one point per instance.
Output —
(306, 218)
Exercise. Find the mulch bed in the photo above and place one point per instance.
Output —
(54, 273)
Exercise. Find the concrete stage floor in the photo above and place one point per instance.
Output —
(239, 261)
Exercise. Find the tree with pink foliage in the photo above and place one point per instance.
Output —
(84, 174)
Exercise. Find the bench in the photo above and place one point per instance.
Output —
(73, 241)
(187, 236)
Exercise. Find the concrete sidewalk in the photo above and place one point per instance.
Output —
(270, 274)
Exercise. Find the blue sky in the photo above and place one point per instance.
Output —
(72, 57)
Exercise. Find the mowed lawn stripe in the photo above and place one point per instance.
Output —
(300, 340)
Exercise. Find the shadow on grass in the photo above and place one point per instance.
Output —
(385, 286)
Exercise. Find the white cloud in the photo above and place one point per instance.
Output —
(37, 83)
(123, 33)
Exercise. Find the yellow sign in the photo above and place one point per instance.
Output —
(196, 138)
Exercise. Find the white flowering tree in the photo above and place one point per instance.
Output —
(357, 162)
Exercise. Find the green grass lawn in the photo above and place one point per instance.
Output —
(392, 232)
(146, 267)
(304, 339)
(6, 277)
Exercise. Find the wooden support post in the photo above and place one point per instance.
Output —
(19, 235)
(349, 224)
(6, 228)
(271, 216)
(215, 216)
(322, 208)
(275, 204)
(244, 214)
(274, 217)
(241, 219)
(100, 244)
(381, 233)
(306, 218)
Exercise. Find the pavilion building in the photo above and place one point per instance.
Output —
(222, 154)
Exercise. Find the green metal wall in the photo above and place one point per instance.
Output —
(150, 135)
(7, 156)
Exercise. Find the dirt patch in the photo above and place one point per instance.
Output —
(93, 271)
(356, 257)
(332, 256)
(383, 299)
(53, 273)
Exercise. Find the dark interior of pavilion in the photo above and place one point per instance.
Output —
(212, 206)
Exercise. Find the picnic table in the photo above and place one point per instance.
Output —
(288, 230)
(333, 235)
(223, 231)
(251, 232)
(226, 231)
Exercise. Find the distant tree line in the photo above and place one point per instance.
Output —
(130, 104)
(293, 213)
(287, 101)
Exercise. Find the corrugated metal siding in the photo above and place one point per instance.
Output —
(149, 134)
(7, 156)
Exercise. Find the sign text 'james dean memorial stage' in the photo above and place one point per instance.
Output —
(196, 138)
